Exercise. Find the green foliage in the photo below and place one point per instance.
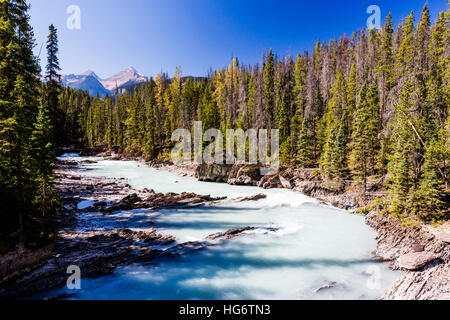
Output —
(269, 90)
(27, 142)
(365, 142)
(333, 163)
(374, 104)
(400, 166)
(428, 201)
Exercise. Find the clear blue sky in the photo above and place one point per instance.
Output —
(155, 36)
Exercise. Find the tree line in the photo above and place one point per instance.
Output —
(372, 105)
(29, 117)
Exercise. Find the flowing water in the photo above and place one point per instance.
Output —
(317, 252)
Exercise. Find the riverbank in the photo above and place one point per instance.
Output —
(99, 252)
(95, 250)
(422, 251)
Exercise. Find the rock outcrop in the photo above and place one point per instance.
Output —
(415, 260)
(229, 234)
(251, 198)
(213, 172)
(245, 175)
(423, 252)
(96, 253)
(156, 201)
(29, 271)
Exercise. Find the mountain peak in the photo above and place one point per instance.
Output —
(94, 84)
(90, 73)
(129, 75)
(131, 69)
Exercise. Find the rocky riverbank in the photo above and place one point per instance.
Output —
(423, 251)
(98, 251)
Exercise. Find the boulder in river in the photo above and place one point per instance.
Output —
(229, 234)
(252, 198)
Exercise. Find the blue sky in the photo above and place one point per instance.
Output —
(197, 35)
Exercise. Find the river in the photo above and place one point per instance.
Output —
(316, 252)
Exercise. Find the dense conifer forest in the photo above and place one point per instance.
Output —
(362, 107)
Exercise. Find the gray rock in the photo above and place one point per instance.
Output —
(285, 183)
(418, 248)
(213, 172)
(252, 198)
(444, 236)
(270, 182)
(247, 174)
(415, 260)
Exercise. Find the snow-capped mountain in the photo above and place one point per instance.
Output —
(89, 81)
(129, 76)
(86, 82)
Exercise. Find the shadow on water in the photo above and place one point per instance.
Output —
(312, 248)
(165, 219)
(204, 274)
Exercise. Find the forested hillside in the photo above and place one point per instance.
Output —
(372, 105)
(359, 107)
(30, 118)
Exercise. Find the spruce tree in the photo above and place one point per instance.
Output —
(18, 108)
(406, 52)
(42, 159)
(385, 66)
(304, 145)
(53, 87)
(429, 199)
(365, 135)
(400, 167)
(333, 162)
(269, 90)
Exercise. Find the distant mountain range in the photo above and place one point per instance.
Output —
(90, 82)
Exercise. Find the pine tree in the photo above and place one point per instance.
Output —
(150, 144)
(300, 74)
(176, 91)
(251, 103)
(406, 52)
(333, 161)
(400, 166)
(304, 145)
(18, 102)
(211, 117)
(364, 136)
(42, 153)
(269, 90)
(423, 39)
(435, 101)
(53, 87)
(351, 96)
(385, 67)
(429, 201)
